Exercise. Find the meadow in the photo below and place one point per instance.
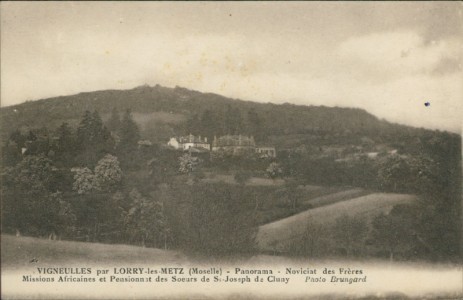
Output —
(385, 280)
(277, 234)
(21, 252)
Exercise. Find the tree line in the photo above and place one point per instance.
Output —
(96, 183)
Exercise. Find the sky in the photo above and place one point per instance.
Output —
(389, 58)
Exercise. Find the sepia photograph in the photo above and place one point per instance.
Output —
(231, 150)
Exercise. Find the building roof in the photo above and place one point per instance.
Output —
(234, 140)
(191, 139)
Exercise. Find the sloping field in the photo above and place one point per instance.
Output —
(20, 252)
(264, 181)
(159, 116)
(253, 181)
(276, 206)
(273, 235)
(336, 197)
(311, 192)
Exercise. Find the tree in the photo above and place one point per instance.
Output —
(233, 121)
(313, 243)
(30, 203)
(84, 180)
(274, 170)
(93, 139)
(129, 133)
(65, 138)
(114, 122)
(393, 232)
(61, 217)
(108, 173)
(156, 170)
(11, 154)
(87, 132)
(145, 221)
(292, 193)
(349, 234)
(162, 168)
(208, 124)
(412, 174)
(18, 138)
(187, 163)
(254, 124)
(193, 124)
(219, 222)
(94, 188)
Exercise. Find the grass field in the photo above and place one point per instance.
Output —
(385, 280)
(253, 181)
(276, 235)
(18, 252)
(331, 198)
(273, 205)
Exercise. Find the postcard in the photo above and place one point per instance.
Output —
(231, 150)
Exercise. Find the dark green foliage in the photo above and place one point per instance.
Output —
(30, 204)
(427, 163)
(219, 222)
(225, 120)
(242, 176)
(313, 243)
(188, 164)
(274, 170)
(233, 120)
(162, 165)
(18, 138)
(99, 213)
(145, 221)
(193, 125)
(395, 233)
(292, 193)
(114, 122)
(11, 154)
(254, 125)
(99, 217)
(93, 139)
(129, 133)
(280, 123)
(65, 146)
(127, 146)
(349, 236)
(407, 174)
(210, 125)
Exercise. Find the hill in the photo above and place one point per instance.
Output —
(277, 235)
(165, 111)
(316, 146)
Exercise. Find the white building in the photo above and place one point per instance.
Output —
(266, 151)
(187, 142)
